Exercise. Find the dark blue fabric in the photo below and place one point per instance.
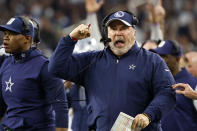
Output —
(1, 128)
(184, 116)
(2, 103)
(169, 47)
(33, 93)
(2, 58)
(138, 82)
(78, 103)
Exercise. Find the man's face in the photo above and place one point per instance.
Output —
(122, 37)
(172, 62)
(13, 42)
(192, 64)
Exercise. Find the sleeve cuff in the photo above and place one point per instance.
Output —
(149, 115)
(67, 40)
(74, 40)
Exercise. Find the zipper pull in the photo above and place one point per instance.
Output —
(117, 61)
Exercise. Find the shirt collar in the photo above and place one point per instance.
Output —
(22, 56)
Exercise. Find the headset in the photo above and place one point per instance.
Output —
(26, 25)
(104, 30)
(27, 28)
(36, 27)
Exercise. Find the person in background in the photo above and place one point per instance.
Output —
(150, 44)
(183, 61)
(77, 101)
(186, 90)
(30, 97)
(192, 62)
(184, 116)
(156, 18)
(116, 79)
(91, 43)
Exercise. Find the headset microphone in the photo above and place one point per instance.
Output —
(105, 40)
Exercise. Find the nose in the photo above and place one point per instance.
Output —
(6, 36)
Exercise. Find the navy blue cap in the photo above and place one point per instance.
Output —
(122, 16)
(16, 25)
(169, 47)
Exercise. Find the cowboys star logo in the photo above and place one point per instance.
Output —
(9, 85)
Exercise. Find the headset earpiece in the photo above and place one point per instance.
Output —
(27, 23)
(36, 31)
(135, 20)
(104, 31)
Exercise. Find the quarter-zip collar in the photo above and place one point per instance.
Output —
(26, 55)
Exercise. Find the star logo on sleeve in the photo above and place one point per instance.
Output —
(9, 85)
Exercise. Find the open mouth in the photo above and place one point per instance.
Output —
(119, 43)
(5, 45)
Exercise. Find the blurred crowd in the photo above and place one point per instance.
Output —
(55, 15)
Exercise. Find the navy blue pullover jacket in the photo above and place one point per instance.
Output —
(31, 98)
(184, 116)
(138, 82)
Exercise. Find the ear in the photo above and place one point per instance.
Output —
(134, 33)
(28, 38)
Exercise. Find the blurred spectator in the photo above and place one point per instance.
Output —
(150, 44)
(93, 42)
(48, 33)
(156, 21)
(77, 101)
(183, 62)
(192, 62)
